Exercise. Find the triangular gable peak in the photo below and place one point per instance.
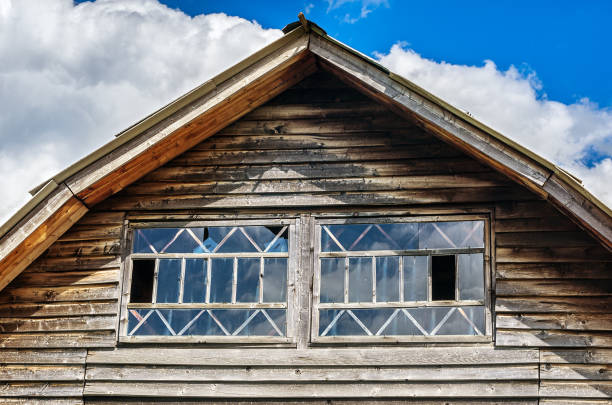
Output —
(176, 128)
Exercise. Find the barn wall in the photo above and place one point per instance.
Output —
(318, 147)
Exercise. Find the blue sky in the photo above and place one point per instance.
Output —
(73, 74)
(567, 43)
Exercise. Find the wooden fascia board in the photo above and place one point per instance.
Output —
(58, 206)
(42, 226)
(580, 208)
(545, 180)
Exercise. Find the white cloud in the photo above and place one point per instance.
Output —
(509, 102)
(72, 76)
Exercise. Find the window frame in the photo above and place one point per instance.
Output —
(293, 224)
(486, 302)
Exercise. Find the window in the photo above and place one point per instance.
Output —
(401, 280)
(391, 279)
(209, 283)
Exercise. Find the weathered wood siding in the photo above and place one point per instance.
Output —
(318, 147)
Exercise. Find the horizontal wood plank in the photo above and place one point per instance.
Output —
(39, 356)
(38, 310)
(584, 356)
(41, 389)
(58, 340)
(566, 389)
(75, 323)
(358, 390)
(554, 288)
(41, 373)
(313, 357)
(317, 155)
(594, 322)
(310, 374)
(318, 125)
(538, 304)
(41, 401)
(109, 247)
(556, 254)
(323, 171)
(554, 338)
(591, 372)
(262, 142)
(313, 110)
(69, 278)
(543, 239)
(394, 183)
(45, 263)
(57, 294)
(555, 223)
(437, 196)
(567, 271)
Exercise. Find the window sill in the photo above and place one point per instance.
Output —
(207, 339)
(323, 340)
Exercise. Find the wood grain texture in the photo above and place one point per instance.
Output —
(16, 259)
(336, 390)
(312, 356)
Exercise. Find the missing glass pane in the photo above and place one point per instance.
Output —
(443, 271)
(143, 272)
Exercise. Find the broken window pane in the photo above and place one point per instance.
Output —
(443, 278)
(143, 273)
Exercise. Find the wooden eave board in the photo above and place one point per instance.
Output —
(224, 99)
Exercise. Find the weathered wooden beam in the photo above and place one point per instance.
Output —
(552, 338)
(313, 356)
(329, 390)
(311, 374)
(36, 232)
(536, 304)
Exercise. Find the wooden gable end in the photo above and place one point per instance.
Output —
(319, 147)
